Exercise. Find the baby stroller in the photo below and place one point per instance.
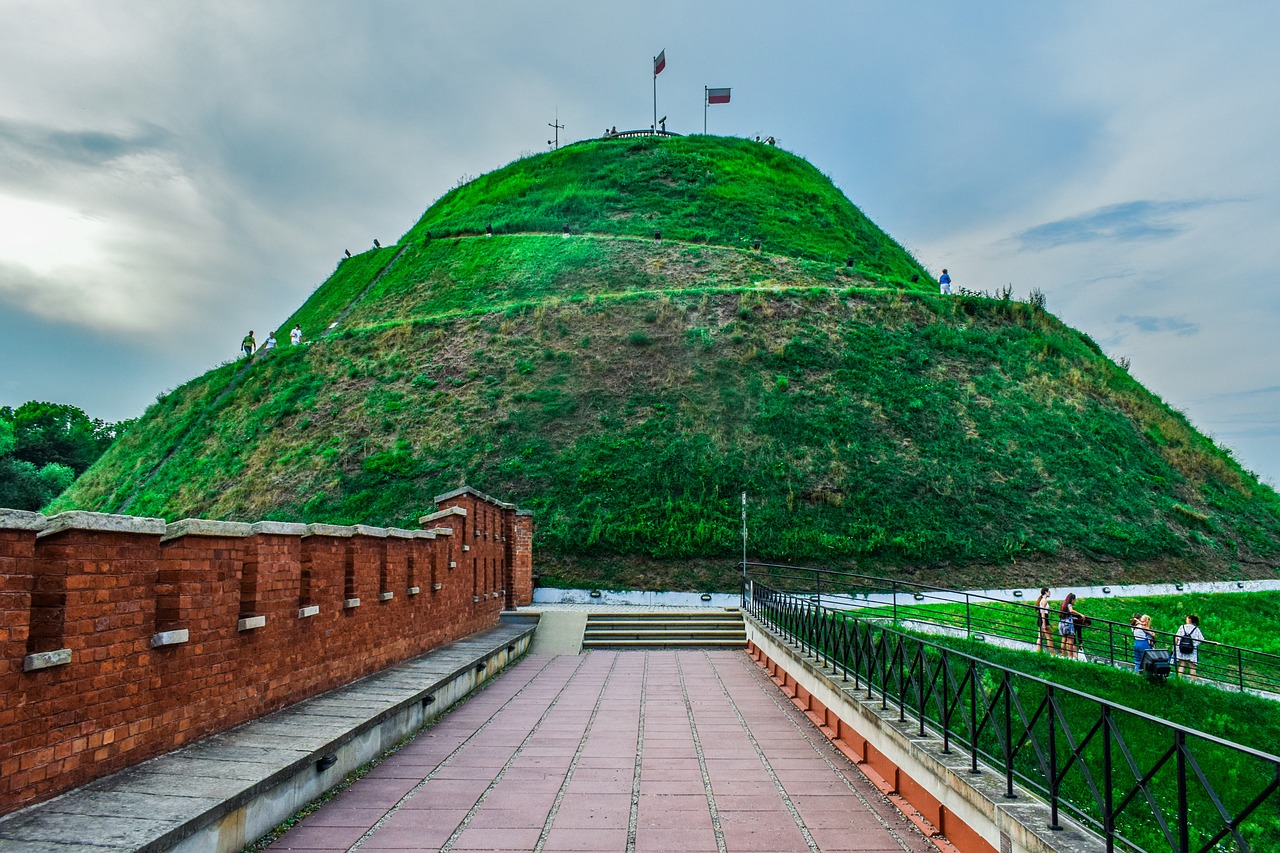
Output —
(1156, 664)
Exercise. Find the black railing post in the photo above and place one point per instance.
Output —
(1184, 835)
(1240, 667)
(968, 619)
(1052, 706)
(920, 683)
(1111, 642)
(1008, 738)
(946, 703)
(894, 588)
(1108, 793)
(973, 716)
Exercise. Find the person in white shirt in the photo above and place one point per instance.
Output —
(295, 337)
(1186, 646)
(271, 341)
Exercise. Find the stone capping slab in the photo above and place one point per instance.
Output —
(438, 531)
(20, 519)
(444, 513)
(279, 528)
(386, 596)
(329, 530)
(414, 590)
(348, 603)
(309, 610)
(45, 660)
(524, 512)
(205, 527)
(400, 533)
(249, 623)
(102, 522)
(171, 638)
(467, 490)
(366, 530)
(272, 754)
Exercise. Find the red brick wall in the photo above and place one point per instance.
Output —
(104, 593)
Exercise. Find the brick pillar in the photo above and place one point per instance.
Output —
(17, 557)
(521, 567)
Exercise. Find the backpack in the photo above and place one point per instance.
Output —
(1186, 645)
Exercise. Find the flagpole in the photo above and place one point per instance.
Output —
(655, 95)
(704, 110)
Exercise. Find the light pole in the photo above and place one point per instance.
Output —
(559, 127)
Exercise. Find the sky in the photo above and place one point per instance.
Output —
(174, 174)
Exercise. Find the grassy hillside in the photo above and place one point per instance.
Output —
(628, 391)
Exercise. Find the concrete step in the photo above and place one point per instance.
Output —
(657, 630)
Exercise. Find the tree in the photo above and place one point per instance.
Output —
(57, 432)
(44, 447)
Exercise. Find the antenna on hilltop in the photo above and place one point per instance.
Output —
(559, 127)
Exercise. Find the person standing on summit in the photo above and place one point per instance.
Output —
(944, 284)
(249, 344)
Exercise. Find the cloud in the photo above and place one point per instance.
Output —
(1150, 325)
(82, 147)
(1126, 222)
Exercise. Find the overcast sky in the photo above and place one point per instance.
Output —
(173, 174)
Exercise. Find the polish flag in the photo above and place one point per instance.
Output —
(660, 63)
(718, 96)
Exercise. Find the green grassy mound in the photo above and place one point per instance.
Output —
(629, 391)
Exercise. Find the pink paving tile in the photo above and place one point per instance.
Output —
(748, 802)
(685, 839)
(362, 817)
(319, 838)
(533, 815)
(435, 820)
(564, 840)
(661, 804)
(499, 839)
(671, 786)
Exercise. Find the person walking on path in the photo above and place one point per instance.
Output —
(271, 341)
(1044, 640)
(295, 337)
(1068, 628)
(944, 283)
(1186, 646)
(1144, 639)
(249, 344)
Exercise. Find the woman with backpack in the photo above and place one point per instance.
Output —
(1186, 646)
(1068, 617)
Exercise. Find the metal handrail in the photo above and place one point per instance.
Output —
(1222, 664)
(1137, 780)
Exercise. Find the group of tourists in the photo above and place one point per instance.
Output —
(1071, 624)
(250, 344)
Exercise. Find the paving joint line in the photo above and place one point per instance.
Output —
(432, 773)
(764, 760)
(791, 712)
(573, 765)
(471, 813)
(702, 760)
(633, 820)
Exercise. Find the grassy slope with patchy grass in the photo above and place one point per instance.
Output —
(628, 391)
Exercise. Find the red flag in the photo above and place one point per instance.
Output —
(660, 62)
(718, 96)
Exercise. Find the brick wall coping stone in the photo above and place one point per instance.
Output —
(444, 513)
(366, 530)
(329, 530)
(467, 490)
(205, 527)
(100, 521)
(20, 519)
(524, 512)
(439, 531)
(189, 798)
(279, 528)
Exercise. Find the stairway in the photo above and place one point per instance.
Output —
(700, 629)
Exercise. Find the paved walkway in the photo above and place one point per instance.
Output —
(616, 751)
